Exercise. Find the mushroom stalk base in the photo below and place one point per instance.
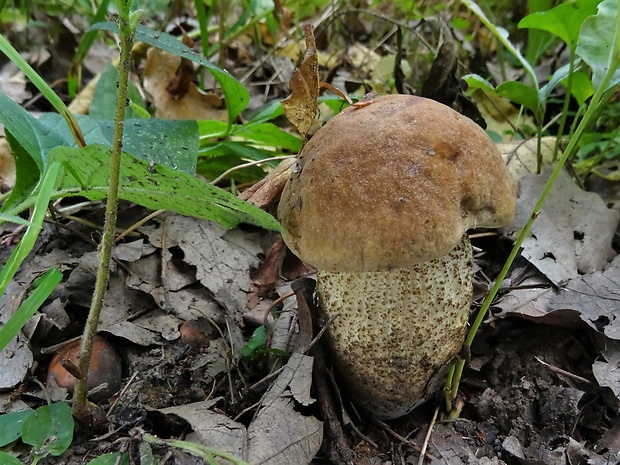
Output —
(396, 329)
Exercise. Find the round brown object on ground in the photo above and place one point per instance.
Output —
(105, 367)
(379, 202)
(391, 184)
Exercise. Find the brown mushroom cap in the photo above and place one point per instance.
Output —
(404, 171)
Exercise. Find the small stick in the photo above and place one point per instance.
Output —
(427, 438)
(564, 372)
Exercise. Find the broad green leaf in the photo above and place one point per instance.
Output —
(211, 128)
(598, 43)
(36, 138)
(538, 42)
(520, 93)
(270, 111)
(581, 87)
(111, 459)
(241, 149)
(502, 36)
(103, 106)
(11, 426)
(49, 429)
(270, 135)
(256, 342)
(27, 174)
(155, 187)
(475, 81)
(237, 96)
(213, 167)
(557, 77)
(564, 21)
(171, 143)
(7, 459)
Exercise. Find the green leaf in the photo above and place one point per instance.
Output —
(7, 459)
(237, 96)
(49, 429)
(11, 426)
(243, 150)
(155, 187)
(256, 343)
(213, 167)
(521, 94)
(35, 137)
(475, 81)
(581, 88)
(598, 43)
(27, 173)
(111, 459)
(47, 283)
(538, 42)
(563, 21)
(269, 134)
(103, 106)
(171, 143)
(212, 128)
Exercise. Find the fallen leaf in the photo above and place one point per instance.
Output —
(300, 107)
(607, 371)
(266, 193)
(573, 232)
(278, 435)
(521, 156)
(172, 96)
(594, 297)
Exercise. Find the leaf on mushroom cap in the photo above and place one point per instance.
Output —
(392, 184)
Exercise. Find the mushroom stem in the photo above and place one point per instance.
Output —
(384, 314)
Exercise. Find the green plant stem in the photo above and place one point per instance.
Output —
(107, 243)
(565, 107)
(206, 453)
(583, 124)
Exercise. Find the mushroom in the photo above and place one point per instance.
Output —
(379, 202)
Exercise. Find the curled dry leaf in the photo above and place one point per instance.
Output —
(300, 106)
(266, 192)
(167, 80)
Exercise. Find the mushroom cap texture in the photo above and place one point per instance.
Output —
(391, 184)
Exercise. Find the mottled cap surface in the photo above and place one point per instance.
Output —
(391, 184)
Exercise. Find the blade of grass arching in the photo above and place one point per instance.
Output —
(502, 35)
(44, 88)
(28, 240)
(75, 71)
(5, 218)
(45, 284)
(587, 119)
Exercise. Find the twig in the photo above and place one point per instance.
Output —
(247, 165)
(564, 372)
(428, 437)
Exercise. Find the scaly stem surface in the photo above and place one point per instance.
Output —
(126, 29)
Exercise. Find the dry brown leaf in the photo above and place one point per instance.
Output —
(174, 97)
(521, 156)
(300, 106)
(7, 166)
(266, 192)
